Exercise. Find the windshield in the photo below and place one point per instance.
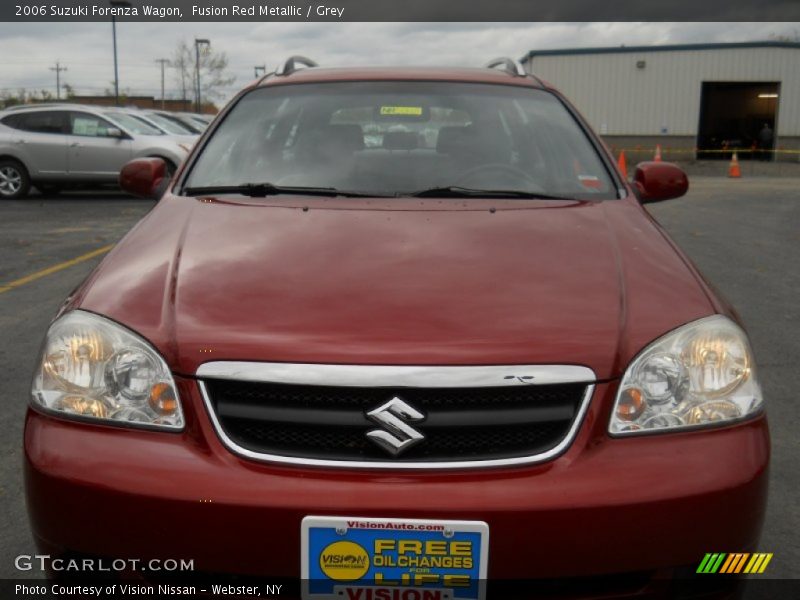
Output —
(168, 125)
(398, 138)
(133, 124)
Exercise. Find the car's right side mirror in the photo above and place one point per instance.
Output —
(656, 181)
(144, 177)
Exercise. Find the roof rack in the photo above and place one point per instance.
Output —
(508, 65)
(290, 66)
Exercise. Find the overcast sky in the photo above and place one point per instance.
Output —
(27, 50)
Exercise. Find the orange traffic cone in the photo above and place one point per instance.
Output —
(657, 157)
(623, 168)
(733, 169)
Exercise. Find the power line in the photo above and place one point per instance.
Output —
(58, 68)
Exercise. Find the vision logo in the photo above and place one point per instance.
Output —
(737, 562)
(344, 561)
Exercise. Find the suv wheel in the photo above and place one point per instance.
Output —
(14, 180)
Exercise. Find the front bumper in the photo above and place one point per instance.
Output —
(605, 506)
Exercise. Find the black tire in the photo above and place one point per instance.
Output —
(14, 180)
(49, 189)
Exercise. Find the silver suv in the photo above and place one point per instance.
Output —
(52, 146)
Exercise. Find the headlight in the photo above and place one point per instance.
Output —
(93, 368)
(700, 374)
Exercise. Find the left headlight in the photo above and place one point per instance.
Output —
(93, 368)
(701, 374)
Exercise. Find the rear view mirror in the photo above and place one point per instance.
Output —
(656, 181)
(114, 132)
(144, 177)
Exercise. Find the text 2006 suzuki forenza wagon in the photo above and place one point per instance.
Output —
(394, 332)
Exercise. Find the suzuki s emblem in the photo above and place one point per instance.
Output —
(397, 435)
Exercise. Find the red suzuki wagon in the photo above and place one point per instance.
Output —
(393, 333)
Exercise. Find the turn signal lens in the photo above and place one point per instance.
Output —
(162, 399)
(631, 404)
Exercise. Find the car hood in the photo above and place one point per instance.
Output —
(435, 282)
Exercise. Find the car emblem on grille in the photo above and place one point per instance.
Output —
(397, 435)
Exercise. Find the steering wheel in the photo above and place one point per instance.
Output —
(502, 168)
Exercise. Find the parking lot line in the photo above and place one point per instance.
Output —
(54, 269)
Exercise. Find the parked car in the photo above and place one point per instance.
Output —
(461, 351)
(166, 126)
(199, 119)
(52, 146)
(186, 121)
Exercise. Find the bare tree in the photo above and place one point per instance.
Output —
(214, 75)
(24, 96)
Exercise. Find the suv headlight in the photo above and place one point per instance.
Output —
(92, 368)
(701, 374)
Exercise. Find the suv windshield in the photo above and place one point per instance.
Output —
(168, 125)
(133, 124)
(399, 138)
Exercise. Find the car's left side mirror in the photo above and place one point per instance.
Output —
(144, 177)
(656, 181)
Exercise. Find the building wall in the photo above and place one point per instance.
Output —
(619, 99)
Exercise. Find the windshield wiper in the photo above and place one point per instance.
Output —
(454, 191)
(261, 190)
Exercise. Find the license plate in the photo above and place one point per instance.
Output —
(355, 558)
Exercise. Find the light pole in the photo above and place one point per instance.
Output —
(197, 43)
(164, 62)
(257, 68)
(116, 4)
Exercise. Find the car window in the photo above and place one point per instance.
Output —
(40, 121)
(89, 125)
(134, 125)
(395, 138)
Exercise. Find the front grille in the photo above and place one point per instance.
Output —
(331, 423)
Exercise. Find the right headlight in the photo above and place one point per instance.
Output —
(701, 374)
(92, 368)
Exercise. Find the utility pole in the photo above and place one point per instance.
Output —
(164, 62)
(58, 68)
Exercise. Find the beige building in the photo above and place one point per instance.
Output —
(695, 100)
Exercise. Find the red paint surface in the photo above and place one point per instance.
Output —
(605, 506)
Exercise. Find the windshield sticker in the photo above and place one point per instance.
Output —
(408, 111)
(590, 181)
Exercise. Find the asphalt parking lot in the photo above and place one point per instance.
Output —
(743, 234)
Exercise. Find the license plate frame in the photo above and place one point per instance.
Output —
(351, 558)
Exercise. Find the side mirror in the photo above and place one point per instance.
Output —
(656, 181)
(144, 177)
(114, 132)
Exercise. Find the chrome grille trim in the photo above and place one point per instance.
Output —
(396, 376)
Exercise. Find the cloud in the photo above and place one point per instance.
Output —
(30, 49)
